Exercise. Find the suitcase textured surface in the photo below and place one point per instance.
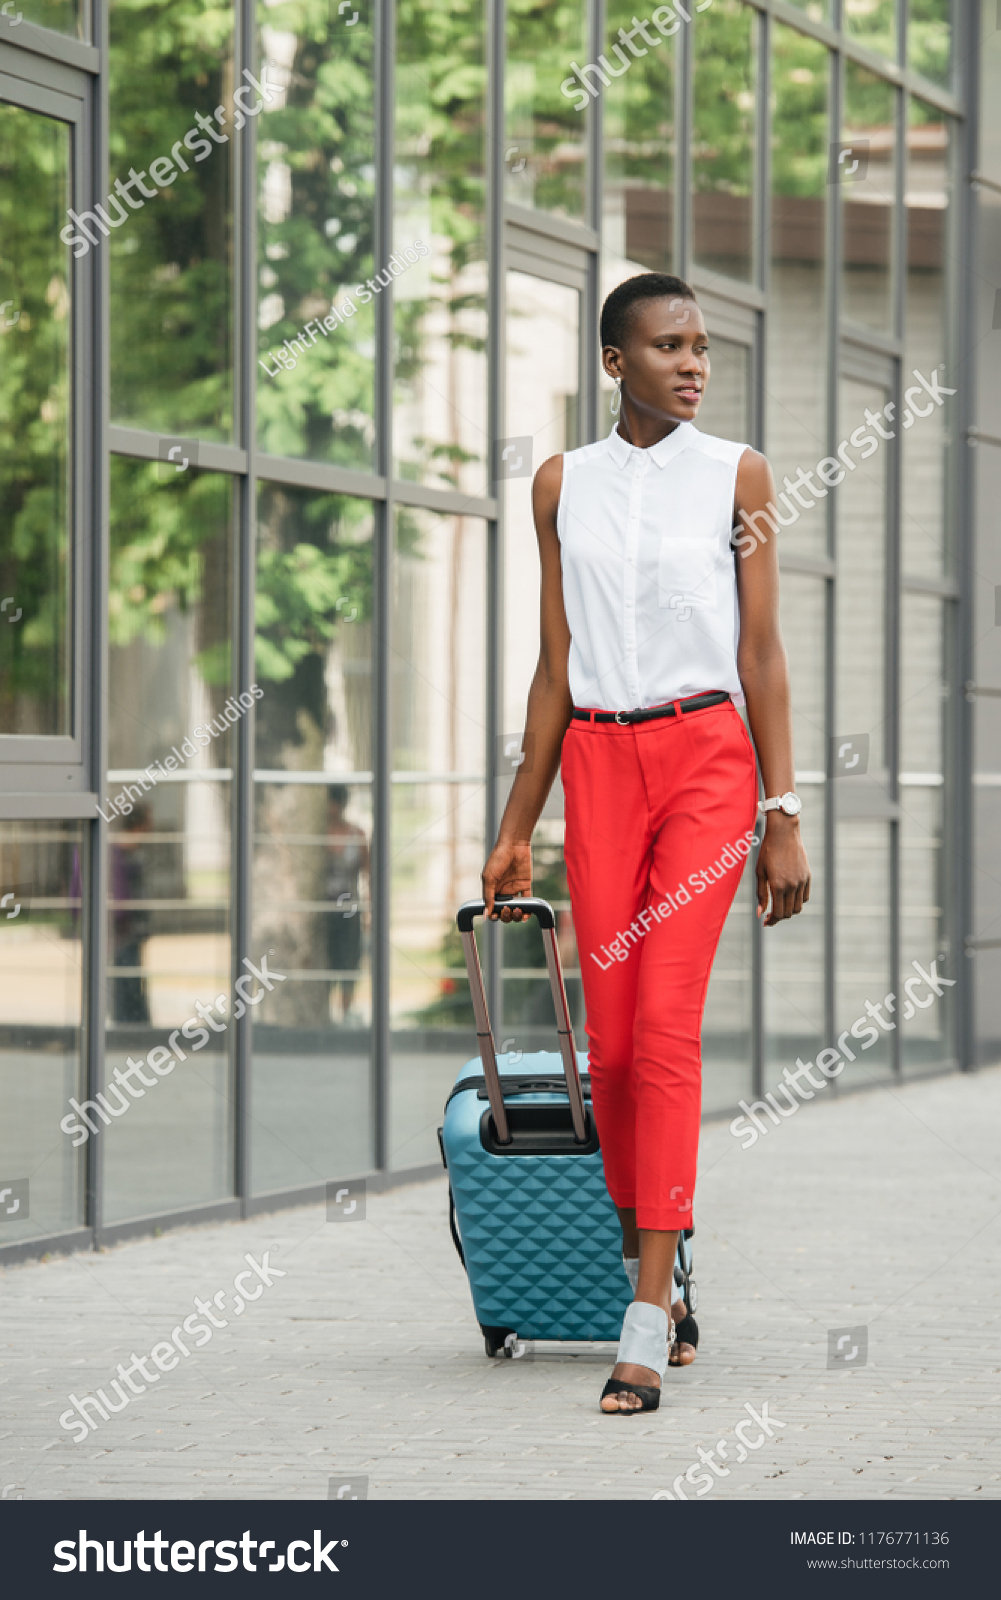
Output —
(539, 1233)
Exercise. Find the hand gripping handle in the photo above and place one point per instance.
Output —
(484, 1033)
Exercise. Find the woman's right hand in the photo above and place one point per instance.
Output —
(508, 871)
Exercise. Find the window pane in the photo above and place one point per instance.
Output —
(929, 39)
(793, 951)
(170, 761)
(440, 424)
(861, 587)
(862, 894)
(62, 16)
(725, 73)
(316, 181)
(928, 438)
(171, 76)
(527, 1020)
(874, 24)
(816, 10)
(545, 105)
(311, 1116)
(637, 219)
(796, 389)
(542, 412)
(803, 614)
(35, 333)
(862, 866)
(723, 412)
(438, 665)
(726, 1027)
(541, 408)
(867, 177)
(923, 923)
(41, 967)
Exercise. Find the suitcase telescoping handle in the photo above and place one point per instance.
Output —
(484, 1033)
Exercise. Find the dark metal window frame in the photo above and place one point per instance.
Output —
(54, 766)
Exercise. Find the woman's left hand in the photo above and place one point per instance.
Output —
(783, 872)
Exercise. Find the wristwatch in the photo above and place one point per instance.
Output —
(790, 803)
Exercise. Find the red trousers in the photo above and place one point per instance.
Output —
(659, 820)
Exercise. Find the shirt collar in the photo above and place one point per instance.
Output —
(660, 454)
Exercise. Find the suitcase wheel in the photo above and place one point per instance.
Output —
(495, 1341)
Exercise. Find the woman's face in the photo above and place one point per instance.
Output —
(664, 362)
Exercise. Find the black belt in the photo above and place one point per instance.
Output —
(697, 702)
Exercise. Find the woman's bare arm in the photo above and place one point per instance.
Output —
(509, 867)
(783, 870)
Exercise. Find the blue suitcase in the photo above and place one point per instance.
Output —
(530, 1214)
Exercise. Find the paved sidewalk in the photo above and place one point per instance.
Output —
(881, 1210)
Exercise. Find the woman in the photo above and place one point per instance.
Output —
(651, 631)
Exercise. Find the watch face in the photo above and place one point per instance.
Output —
(791, 804)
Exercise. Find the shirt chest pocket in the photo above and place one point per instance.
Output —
(687, 574)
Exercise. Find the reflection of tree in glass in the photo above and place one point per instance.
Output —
(875, 23)
(171, 262)
(929, 38)
(33, 422)
(312, 659)
(800, 136)
(638, 136)
(317, 181)
(170, 547)
(314, 580)
(543, 37)
(440, 115)
(722, 149)
(61, 15)
(869, 102)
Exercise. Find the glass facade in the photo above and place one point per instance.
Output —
(271, 396)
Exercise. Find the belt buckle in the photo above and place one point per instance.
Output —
(620, 717)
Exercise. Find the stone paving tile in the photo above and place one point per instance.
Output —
(880, 1210)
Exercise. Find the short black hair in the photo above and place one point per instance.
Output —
(616, 313)
(338, 795)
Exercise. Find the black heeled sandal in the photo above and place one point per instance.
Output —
(649, 1396)
(646, 1339)
(685, 1332)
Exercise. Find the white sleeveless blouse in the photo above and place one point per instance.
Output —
(649, 583)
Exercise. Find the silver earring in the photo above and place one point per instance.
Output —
(617, 397)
